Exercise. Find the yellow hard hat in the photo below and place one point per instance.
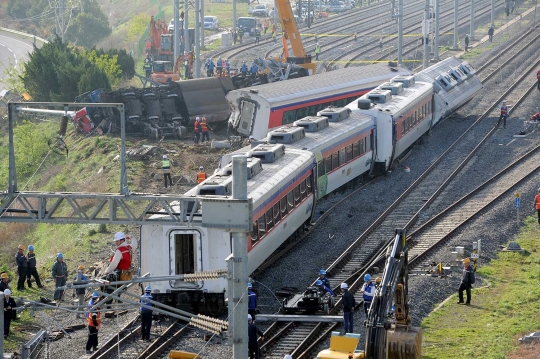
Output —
(21, 246)
(4, 276)
(81, 267)
(378, 280)
(466, 260)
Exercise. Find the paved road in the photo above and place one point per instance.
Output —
(13, 50)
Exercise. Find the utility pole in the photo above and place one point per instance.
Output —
(426, 35)
(187, 45)
(239, 266)
(234, 15)
(456, 24)
(63, 24)
(493, 13)
(176, 32)
(400, 33)
(57, 30)
(436, 50)
(202, 26)
(471, 31)
(197, 39)
(82, 7)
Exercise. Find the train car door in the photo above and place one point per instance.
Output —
(246, 118)
(185, 254)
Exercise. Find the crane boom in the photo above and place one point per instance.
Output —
(291, 33)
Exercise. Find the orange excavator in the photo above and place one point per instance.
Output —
(180, 65)
(160, 44)
(291, 34)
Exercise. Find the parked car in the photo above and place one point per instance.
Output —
(337, 7)
(260, 10)
(320, 6)
(211, 23)
(171, 25)
(347, 5)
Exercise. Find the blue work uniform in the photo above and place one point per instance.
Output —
(252, 303)
(146, 316)
(368, 293)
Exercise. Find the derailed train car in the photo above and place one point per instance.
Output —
(298, 164)
(156, 112)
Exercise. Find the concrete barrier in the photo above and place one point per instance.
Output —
(36, 38)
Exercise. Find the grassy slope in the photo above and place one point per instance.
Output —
(501, 313)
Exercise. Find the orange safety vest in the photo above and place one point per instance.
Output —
(201, 176)
(204, 128)
(125, 262)
(537, 201)
(196, 126)
(98, 319)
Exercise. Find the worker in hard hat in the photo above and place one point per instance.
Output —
(319, 283)
(367, 291)
(93, 300)
(146, 313)
(323, 278)
(59, 273)
(205, 127)
(94, 322)
(80, 279)
(201, 175)
(378, 282)
(537, 204)
(253, 345)
(32, 270)
(467, 280)
(4, 282)
(120, 266)
(252, 301)
(505, 112)
(166, 168)
(22, 266)
(347, 299)
(9, 311)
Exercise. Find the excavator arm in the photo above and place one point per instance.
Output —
(385, 340)
(292, 35)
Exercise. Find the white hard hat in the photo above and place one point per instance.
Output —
(249, 315)
(164, 156)
(7, 292)
(251, 137)
(119, 236)
(197, 118)
(344, 286)
(504, 101)
(201, 168)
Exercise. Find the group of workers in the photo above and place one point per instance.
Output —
(166, 168)
(222, 67)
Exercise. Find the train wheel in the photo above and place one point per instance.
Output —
(214, 306)
(154, 134)
(326, 308)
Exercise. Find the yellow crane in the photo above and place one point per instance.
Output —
(291, 33)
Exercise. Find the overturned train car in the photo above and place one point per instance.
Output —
(156, 112)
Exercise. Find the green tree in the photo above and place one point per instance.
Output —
(106, 63)
(89, 27)
(53, 73)
(125, 60)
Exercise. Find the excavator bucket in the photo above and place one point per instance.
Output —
(404, 343)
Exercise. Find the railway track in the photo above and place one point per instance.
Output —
(127, 344)
(405, 213)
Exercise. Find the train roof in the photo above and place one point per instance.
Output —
(333, 135)
(383, 100)
(455, 82)
(281, 172)
(327, 83)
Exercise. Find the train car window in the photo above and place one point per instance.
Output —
(308, 184)
(301, 113)
(289, 117)
(335, 160)
(303, 189)
(349, 152)
(255, 233)
(342, 156)
(262, 227)
(371, 141)
(328, 164)
(356, 149)
(269, 219)
(297, 198)
(320, 168)
(368, 143)
(290, 200)
(342, 102)
(277, 213)
(284, 209)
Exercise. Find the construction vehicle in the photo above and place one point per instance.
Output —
(291, 34)
(179, 66)
(162, 72)
(160, 44)
(388, 336)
